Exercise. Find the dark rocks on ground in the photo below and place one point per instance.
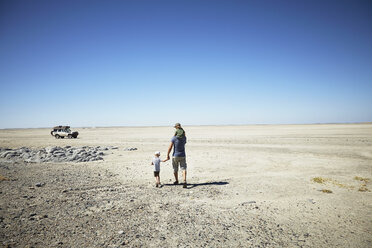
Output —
(247, 203)
(54, 154)
(130, 149)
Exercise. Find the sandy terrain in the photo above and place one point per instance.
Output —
(249, 186)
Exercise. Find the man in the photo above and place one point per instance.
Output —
(179, 155)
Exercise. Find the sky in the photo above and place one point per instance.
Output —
(204, 62)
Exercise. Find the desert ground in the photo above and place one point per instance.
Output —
(248, 186)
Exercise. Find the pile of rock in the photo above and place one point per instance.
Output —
(55, 154)
(130, 149)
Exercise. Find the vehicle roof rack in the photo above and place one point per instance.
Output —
(61, 127)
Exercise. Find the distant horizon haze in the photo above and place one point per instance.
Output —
(201, 125)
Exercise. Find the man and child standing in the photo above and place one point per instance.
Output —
(178, 159)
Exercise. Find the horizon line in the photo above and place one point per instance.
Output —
(206, 125)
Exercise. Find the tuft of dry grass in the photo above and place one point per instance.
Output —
(362, 179)
(323, 180)
(327, 191)
(341, 185)
(363, 188)
(319, 179)
(2, 178)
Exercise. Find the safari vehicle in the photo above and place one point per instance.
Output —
(60, 132)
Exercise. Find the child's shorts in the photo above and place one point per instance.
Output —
(156, 173)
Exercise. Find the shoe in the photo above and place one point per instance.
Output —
(157, 185)
(175, 182)
(184, 185)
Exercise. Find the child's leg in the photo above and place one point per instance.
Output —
(158, 179)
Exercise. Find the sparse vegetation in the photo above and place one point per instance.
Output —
(327, 191)
(341, 185)
(2, 178)
(320, 179)
(362, 179)
(363, 188)
(323, 180)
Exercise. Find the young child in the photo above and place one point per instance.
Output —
(180, 133)
(156, 163)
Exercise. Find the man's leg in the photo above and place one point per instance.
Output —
(176, 177)
(184, 179)
(184, 176)
(175, 169)
(183, 166)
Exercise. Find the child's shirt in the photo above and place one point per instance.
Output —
(156, 161)
(179, 133)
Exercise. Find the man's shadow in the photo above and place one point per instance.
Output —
(193, 185)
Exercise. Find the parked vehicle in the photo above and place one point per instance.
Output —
(60, 132)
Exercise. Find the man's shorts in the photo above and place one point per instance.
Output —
(156, 173)
(179, 161)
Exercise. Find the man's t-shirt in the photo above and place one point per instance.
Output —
(156, 162)
(179, 146)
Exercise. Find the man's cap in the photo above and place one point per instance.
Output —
(177, 125)
(157, 153)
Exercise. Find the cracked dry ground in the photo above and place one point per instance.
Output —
(76, 206)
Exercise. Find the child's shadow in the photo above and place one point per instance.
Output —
(193, 185)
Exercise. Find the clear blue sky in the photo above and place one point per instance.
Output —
(118, 63)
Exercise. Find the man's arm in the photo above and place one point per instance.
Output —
(169, 150)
